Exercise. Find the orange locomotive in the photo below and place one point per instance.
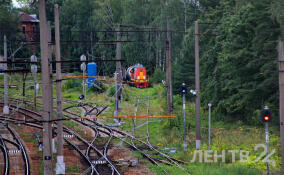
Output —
(136, 76)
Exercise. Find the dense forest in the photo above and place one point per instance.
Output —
(238, 50)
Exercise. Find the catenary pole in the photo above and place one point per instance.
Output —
(169, 70)
(118, 69)
(197, 88)
(45, 68)
(209, 126)
(6, 107)
(60, 165)
(50, 95)
(281, 100)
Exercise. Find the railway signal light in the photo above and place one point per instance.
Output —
(83, 57)
(266, 114)
(183, 88)
(193, 92)
(81, 97)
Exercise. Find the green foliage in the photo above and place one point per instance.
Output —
(99, 87)
(111, 91)
(236, 66)
(277, 10)
(72, 84)
(158, 76)
(125, 94)
(8, 22)
(209, 169)
(184, 68)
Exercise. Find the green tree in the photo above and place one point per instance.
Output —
(237, 66)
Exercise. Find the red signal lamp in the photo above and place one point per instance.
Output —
(266, 118)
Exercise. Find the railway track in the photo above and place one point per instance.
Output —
(5, 155)
(35, 121)
(18, 145)
(120, 134)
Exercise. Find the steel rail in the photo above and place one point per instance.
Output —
(84, 156)
(23, 150)
(85, 142)
(6, 155)
(132, 145)
(93, 147)
(40, 127)
(17, 121)
(75, 147)
(121, 133)
(135, 148)
(12, 143)
(87, 153)
(173, 160)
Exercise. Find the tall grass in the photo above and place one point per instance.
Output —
(208, 169)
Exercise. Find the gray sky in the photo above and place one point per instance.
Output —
(16, 4)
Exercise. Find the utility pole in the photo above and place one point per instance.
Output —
(169, 70)
(50, 125)
(6, 86)
(118, 69)
(184, 4)
(49, 56)
(60, 165)
(157, 52)
(197, 88)
(45, 69)
(209, 126)
(281, 100)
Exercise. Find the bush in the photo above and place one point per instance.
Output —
(158, 76)
(111, 91)
(99, 87)
(71, 84)
(125, 94)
